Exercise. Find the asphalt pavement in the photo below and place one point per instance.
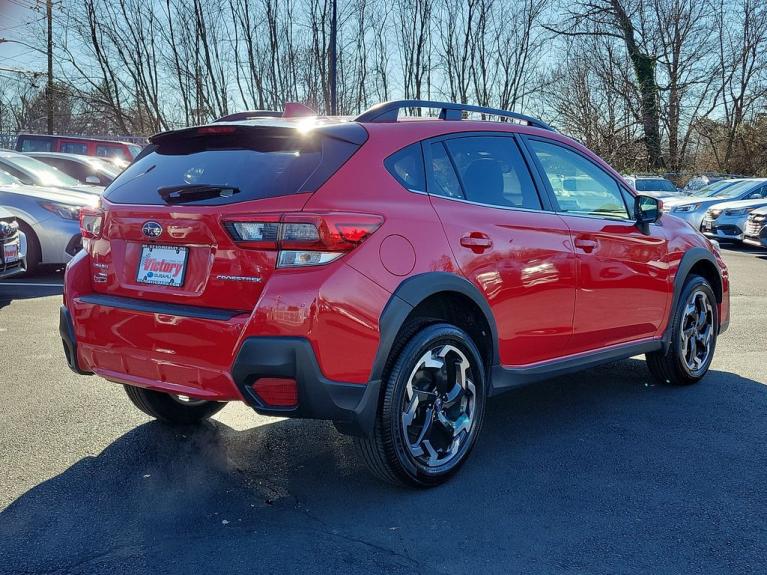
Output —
(597, 472)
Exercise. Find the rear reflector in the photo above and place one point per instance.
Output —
(277, 392)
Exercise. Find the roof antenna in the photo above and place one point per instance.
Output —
(297, 110)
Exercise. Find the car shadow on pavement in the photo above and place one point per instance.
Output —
(598, 472)
(47, 281)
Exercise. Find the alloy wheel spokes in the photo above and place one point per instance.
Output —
(697, 331)
(438, 407)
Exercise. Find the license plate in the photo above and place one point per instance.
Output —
(11, 253)
(707, 226)
(162, 265)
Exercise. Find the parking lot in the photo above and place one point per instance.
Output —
(598, 472)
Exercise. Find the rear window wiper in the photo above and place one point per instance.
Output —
(195, 193)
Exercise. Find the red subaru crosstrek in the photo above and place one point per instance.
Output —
(386, 274)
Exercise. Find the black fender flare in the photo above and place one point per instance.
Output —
(688, 261)
(415, 290)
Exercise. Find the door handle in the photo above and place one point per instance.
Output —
(477, 242)
(585, 245)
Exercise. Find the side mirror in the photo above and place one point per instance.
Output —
(756, 196)
(647, 210)
(92, 180)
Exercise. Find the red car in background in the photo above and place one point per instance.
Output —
(77, 145)
(389, 275)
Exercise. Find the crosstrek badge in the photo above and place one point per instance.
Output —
(162, 265)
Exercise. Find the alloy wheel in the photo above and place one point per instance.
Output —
(697, 333)
(438, 407)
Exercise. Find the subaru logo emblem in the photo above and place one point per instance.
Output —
(151, 229)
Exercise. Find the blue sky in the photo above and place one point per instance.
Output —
(17, 20)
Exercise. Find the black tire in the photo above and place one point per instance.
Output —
(388, 451)
(672, 367)
(169, 409)
(34, 253)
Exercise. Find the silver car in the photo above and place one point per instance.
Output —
(13, 246)
(727, 221)
(49, 217)
(692, 209)
(33, 172)
(755, 233)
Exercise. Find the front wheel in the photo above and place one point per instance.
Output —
(693, 336)
(431, 411)
(175, 409)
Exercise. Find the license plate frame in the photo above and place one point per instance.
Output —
(163, 274)
(707, 226)
(11, 248)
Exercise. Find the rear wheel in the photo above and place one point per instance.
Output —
(431, 411)
(176, 409)
(693, 336)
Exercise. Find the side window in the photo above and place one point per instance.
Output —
(74, 169)
(443, 175)
(580, 186)
(73, 148)
(493, 171)
(407, 168)
(104, 151)
(35, 145)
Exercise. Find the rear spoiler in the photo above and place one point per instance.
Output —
(351, 132)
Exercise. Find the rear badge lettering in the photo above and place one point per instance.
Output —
(253, 279)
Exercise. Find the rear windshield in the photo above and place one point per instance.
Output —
(654, 186)
(269, 166)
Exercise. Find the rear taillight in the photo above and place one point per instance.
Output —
(304, 239)
(90, 223)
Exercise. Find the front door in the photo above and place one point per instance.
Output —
(623, 280)
(518, 254)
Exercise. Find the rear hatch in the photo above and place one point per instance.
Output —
(164, 232)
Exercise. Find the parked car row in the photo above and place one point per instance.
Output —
(721, 210)
(41, 195)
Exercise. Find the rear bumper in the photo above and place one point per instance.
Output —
(201, 363)
(350, 406)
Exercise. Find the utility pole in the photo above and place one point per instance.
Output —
(333, 60)
(49, 90)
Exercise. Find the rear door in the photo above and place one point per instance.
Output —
(513, 249)
(623, 280)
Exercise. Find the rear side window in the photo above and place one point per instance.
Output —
(243, 168)
(74, 148)
(493, 172)
(443, 174)
(35, 145)
(110, 152)
(407, 168)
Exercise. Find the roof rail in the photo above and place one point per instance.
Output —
(249, 115)
(389, 111)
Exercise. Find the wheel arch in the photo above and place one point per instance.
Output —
(696, 261)
(440, 296)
